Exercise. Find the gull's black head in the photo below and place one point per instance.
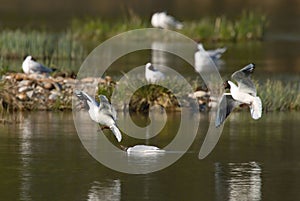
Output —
(226, 85)
(26, 55)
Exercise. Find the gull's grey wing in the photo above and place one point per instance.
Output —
(243, 78)
(81, 95)
(173, 22)
(106, 107)
(37, 67)
(225, 107)
(217, 53)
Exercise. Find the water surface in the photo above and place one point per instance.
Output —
(42, 158)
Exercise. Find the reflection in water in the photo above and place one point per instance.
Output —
(238, 181)
(26, 158)
(105, 191)
(158, 56)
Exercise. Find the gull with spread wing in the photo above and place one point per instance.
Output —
(102, 113)
(243, 93)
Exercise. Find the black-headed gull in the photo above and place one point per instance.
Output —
(213, 54)
(102, 113)
(243, 93)
(30, 65)
(152, 74)
(204, 57)
(142, 149)
(164, 21)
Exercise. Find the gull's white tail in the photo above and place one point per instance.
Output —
(116, 132)
(256, 108)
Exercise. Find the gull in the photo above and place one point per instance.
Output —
(152, 74)
(213, 54)
(102, 113)
(164, 21)
(204, 57)
(30, 65)
(243, 93)
(142, 149)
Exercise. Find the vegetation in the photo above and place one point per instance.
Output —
(40, 44)
(249, 26)
(279, 96)
(82, 35)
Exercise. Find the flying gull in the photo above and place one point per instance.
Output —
(102, 113)
(243, 93)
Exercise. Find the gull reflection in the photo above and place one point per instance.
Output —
(158, 55)
(110, 190)
(26, 158)
(238, 181)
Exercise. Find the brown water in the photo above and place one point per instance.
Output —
(42, 158)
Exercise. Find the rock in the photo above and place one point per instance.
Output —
(35, 76)
(39, 89)
(88, 80)
(48, 85)
(24, 89)
(53, 97)
(25, 83)
(20, 76)
(7, 77)
(30, 94)
(21, 96)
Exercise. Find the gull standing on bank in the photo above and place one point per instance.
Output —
(152, 74)
(102, 113)
(30, 65)
(243, 93)
(164, 21)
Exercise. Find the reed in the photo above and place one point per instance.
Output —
(249, 26)
(41, 44)
(279, 96)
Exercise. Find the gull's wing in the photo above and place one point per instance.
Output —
(243, 78)
(37, 67)
(171, 21)
(217, 53)
(81, 95)
(225, 107)
(106, 107)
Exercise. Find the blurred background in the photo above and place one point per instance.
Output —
(55, 14)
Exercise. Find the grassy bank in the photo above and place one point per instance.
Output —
(83, 34)
(15, 94)
(279, 96)
(248, 26)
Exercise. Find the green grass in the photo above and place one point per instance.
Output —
(81, 36)
(40, 44)
(279, 96)
(249, 26)
(276, 95)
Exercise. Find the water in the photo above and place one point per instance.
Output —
(42, 158)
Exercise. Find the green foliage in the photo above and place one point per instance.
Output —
(278, 96)
(17, 43)
(249, 26)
